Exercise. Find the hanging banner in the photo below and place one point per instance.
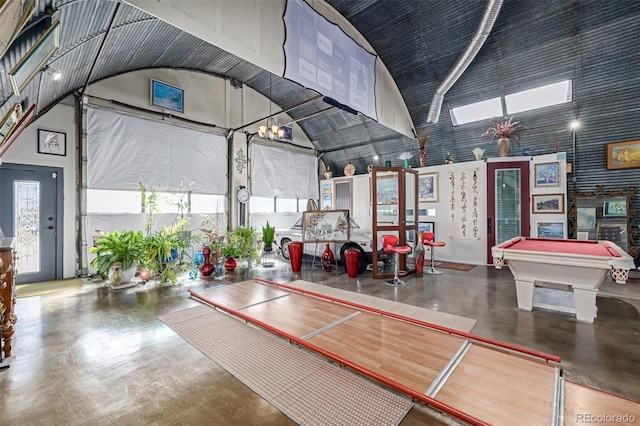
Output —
(463, 202)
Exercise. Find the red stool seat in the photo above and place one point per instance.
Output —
(428, 239)
(389, 244)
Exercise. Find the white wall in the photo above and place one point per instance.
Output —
(561, 158)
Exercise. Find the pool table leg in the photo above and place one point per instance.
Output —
(524, 290)
(586, 309)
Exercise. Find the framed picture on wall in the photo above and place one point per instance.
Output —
(547, 174)
(428, 187)
(166, 96)
(552, 230)
(52, 143)
(586, 217)
(547, 203)
(583, 235)
(426, 227)
(623, 155)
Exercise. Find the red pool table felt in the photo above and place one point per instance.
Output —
(579, 247)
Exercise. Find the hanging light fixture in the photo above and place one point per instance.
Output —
(54, 73)
(271, 130)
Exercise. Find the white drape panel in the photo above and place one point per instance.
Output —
(124, 150)
(277, 172)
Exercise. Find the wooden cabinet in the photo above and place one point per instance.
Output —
(395, 212)
(7, 298)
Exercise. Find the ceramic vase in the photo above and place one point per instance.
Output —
(206, 268)
(503, 147)
(422, 157)
(478, 152)
(230, 264)
(328, 259)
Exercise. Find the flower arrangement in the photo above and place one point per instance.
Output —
(509, 130)
(406, 155)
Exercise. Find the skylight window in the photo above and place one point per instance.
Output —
(475, 112)
(551, 94)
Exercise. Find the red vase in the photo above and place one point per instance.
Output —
(328, 259)
(230, 264)
(206, 268)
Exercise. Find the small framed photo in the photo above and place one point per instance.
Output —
(428, 187)
(583, 235)
(410, 235)
(166, 96)
(615, 208)
(52, 143)
(547, 174)
(548, 203)
(426, 227)
(552, 230)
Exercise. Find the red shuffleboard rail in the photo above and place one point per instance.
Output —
(520, 349)
(416, 396)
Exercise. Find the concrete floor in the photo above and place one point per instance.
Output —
(95, 356)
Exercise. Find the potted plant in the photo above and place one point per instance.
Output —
(505, 132)
(268, 238)
(117, 254)
(161, 251)
(240, 245)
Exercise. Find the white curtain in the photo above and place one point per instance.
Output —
(124, 150)
(277, 172)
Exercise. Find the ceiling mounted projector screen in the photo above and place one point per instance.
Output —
(320, 56)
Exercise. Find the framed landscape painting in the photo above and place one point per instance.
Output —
(623, 155)
(548, 203)
(166, 96)
(552, 230)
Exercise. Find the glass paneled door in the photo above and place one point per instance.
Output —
(507, 202)
(30, 200)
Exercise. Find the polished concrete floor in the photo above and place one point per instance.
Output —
(95, 356)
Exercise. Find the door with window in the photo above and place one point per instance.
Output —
(31, 211)
(507, 202)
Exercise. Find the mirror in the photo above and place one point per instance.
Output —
(604, 215)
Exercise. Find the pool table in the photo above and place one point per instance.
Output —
(582, 265)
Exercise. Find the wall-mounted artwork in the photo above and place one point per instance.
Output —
(547, 174)
(553, 230)
(623, 155)
(325, 226)
(53, 143)
(426, 227)
(35, 59)
(548, 203)
(428, 187)
(166, 96)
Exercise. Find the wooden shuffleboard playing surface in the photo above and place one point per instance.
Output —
(471, 378)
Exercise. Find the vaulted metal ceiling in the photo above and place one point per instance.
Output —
(533, 42)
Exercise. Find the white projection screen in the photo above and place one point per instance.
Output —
(320, 56)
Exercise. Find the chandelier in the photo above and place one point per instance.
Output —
(271, 130)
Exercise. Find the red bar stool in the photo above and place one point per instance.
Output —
(428, 240)
(389, 244)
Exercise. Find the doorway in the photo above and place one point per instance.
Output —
(31, 211)
(507, 202)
